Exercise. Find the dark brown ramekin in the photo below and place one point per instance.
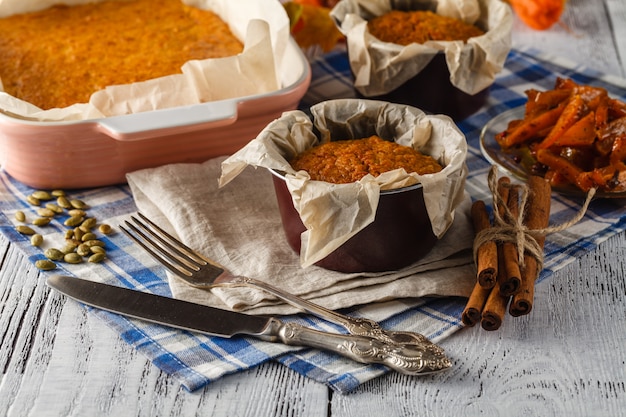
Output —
(400, 235)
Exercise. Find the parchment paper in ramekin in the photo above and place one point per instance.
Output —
(381, 67)
(262, 25)
(333, 213)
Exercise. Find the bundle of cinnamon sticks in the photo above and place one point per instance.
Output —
(506, 274)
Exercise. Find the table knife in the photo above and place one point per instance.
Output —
(212, 321)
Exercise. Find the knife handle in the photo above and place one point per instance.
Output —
(406, 359)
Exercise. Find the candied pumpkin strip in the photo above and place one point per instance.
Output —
(617, 109)
(590, 179)
(559, 164)
(607, 177)
(587, 92)
(614, 129)
(602, 114)
(541, 101)
(582, 133)
(618, 151)
(556, 179)
(603, 145)
(572, 112)
(531, 101)
(565, 83)
(594, 102)
(529, 127)
(591, 95)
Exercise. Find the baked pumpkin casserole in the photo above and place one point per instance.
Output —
(61, 55)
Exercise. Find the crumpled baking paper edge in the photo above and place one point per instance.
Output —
(381, 67)
(262, 24)
(356, 203)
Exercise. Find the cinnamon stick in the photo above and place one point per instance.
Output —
(512, 281)
(537, 216)
(474, 307)
(487, 253)
(495, 307)
(503, 191)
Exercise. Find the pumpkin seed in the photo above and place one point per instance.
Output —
(20, 216)
(45, 265)
(78, 234)
(25, 230)
(57, 193)
(33, 200)
(105, 229)
(41, 221)
(42, 195)
(96, 258)
(97, 249)
(73, 242)
(62, 201)
(88, 236)
(70, 246)
(73, 221)
(69, 234)
(77, 212)
(89, 223)
(53, 254)
(54, 207)
(72, 258)
(78, 204)
(45, 212)
(94, 242)
(36, 239)
(83, 250)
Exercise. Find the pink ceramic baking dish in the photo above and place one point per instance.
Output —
(99, 152)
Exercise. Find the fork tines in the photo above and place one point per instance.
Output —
(165, 248)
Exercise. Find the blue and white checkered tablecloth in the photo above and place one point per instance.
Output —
(197, 360)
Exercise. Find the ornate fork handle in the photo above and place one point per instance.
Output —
(354, 325)
(402, 358)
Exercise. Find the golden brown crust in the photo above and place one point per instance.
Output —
(420, 26)
(61, 55)
(348, 161)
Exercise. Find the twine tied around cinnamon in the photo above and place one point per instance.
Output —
(509, 228)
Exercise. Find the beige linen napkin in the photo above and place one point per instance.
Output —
(239, 227)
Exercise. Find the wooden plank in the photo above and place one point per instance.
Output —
(585, 26)
(616, 11)
(22, 300)
(58, 360)
(565, 359)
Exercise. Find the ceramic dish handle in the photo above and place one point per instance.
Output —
(139, 126)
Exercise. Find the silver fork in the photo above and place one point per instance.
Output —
(201, 272)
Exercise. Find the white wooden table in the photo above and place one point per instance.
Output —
(567, 358)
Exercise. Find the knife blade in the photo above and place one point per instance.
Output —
(223, 323)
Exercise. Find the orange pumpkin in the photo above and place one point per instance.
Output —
(538, 14)
(311, 24)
